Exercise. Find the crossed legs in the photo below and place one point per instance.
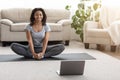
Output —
(23, 50)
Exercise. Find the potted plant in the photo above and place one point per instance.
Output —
(82, 14)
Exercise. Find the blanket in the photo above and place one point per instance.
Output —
(110, 20)
(114, 32)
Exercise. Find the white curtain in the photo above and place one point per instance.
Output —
(110, 20)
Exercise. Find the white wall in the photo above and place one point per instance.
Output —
(38, 3)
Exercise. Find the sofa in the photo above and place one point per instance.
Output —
(14, 20)
(95, 35)
(98, 32)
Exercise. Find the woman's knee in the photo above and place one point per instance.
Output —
(61, 47)
(13, 45)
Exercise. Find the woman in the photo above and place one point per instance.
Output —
(37, 33)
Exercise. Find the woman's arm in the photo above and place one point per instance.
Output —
(45, 42)
(29, 38)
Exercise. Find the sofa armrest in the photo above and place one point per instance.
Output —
(91, 25)
(65, 22)
(6, 22)
(104, 31)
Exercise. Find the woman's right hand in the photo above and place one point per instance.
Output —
(35, 56)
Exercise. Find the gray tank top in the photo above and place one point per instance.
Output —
(38, 36)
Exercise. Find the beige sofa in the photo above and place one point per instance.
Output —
(95, 35)
(97, 32)
(14, 20)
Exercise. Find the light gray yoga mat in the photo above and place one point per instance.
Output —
(63, 56)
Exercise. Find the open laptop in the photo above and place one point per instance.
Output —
(71, 68)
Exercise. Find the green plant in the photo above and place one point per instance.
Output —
(96, 6)
(68, 7)
(81, 15)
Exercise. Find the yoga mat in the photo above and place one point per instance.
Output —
(63, 56)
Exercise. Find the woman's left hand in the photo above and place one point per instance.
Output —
(40, 55)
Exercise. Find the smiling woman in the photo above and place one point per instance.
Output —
(37, 34)
(59, 4)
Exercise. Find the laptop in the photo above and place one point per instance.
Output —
(71, 68)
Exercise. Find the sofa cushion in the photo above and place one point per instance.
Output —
(16, 14)
(18, 27)
(55, 27)
(23, 14)
(55, 15)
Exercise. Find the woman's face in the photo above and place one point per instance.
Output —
(38, 16)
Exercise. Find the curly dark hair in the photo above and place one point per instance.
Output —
(32, 19)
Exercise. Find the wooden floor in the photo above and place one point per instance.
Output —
(106, 50)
